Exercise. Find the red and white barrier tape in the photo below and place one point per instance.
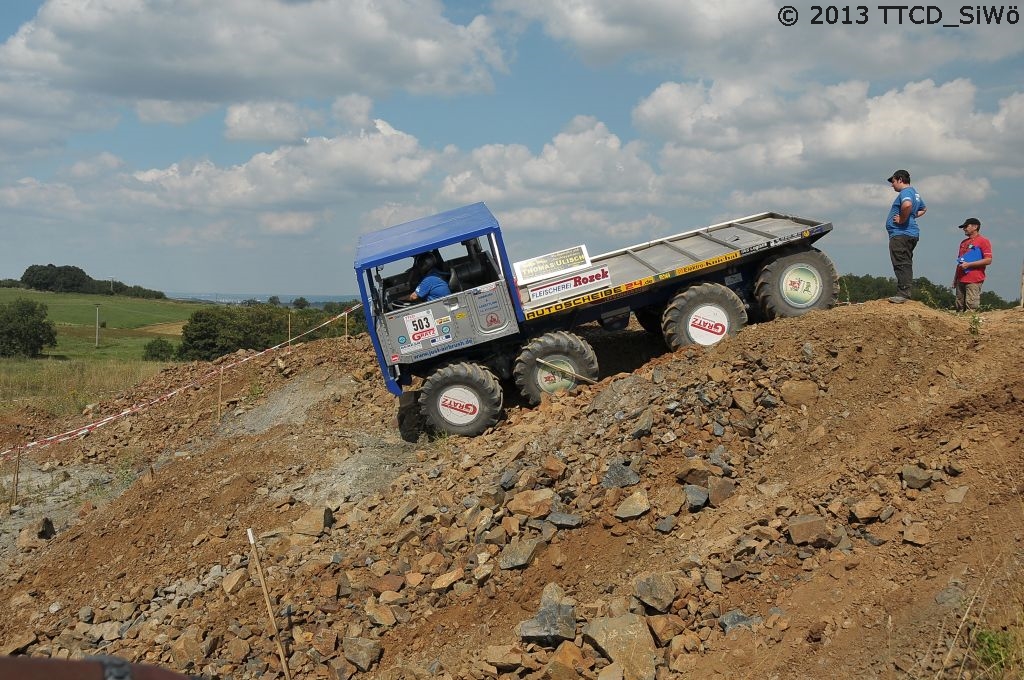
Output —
(86, 429)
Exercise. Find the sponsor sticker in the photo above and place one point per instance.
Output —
(624, 288)
(420, 325)
(458, 405)
(708, 324)
(571, 284)
(800, 285)
(543, 266)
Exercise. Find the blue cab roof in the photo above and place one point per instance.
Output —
(425, 233)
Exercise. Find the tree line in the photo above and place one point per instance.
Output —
(215, 331)
(861, 288)
(70, 279)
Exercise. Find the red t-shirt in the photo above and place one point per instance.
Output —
(974, 274)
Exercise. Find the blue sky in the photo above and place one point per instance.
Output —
(241, 146)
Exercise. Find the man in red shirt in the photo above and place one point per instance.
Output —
(975, 254)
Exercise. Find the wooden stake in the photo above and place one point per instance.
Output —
(289, 332)
(17, 470)
(220, 391)
(566, 371)
(346, 324)
(270, 607)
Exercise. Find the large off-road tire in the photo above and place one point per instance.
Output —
(795, 283)
(463, 399)
(704, 314)
(649, 319)
(564, 350)
(410, 420)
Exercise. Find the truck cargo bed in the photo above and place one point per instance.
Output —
(645, 264)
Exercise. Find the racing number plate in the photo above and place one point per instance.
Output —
(420, 325)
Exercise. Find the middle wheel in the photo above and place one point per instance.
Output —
(551, 363)
(703, 314)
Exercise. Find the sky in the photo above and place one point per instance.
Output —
(241, 146)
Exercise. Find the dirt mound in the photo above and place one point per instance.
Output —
(834, 495)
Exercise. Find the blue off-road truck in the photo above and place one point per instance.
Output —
(512, 321)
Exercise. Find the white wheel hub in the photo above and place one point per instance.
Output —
(708, 324)
(800, 285)
(552, 380)
(458, 405)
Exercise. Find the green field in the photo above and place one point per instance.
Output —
(116, 311)
(79, 371)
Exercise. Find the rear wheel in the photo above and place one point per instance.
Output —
(796, 283)
(704, 314)
(463, 399)
(551, 363)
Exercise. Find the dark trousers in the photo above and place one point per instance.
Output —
(901, 252)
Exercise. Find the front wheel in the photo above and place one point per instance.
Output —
(704, 314)
(794, 284)
(463, 399)
(552, 363)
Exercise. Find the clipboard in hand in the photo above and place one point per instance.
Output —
(973, 254)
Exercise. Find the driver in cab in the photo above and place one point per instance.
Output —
(433, 284)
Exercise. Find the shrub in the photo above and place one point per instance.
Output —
(24, 329)
(158, 349)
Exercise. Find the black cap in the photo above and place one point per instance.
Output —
(901, 175)
(971, 220)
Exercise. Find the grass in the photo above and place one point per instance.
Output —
(78, 371)
(66, 387)
(995, 650)
(116, 311)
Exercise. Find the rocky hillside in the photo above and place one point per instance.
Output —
(830, 496)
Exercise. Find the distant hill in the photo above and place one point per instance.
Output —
(71, 279)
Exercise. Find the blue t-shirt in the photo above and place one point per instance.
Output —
(433, 287)
(908, 228)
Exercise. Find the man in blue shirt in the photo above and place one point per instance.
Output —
(433, 285)
(903, 232)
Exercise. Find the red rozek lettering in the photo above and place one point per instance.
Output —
(460, 406)
(591, 278)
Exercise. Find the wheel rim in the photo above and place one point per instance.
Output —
(707, 324)
(800, 285)
(458, 405)
(551, 380)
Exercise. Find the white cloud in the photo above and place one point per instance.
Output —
(198, 51)
(102, 163)
(189, 236)
(353, 110)
(840, 131)
(277, 121)
(292, 223)
(163, 111)
(735, 37)
(321, 169)
(585, 159)
(31, 195)
(76, 66)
